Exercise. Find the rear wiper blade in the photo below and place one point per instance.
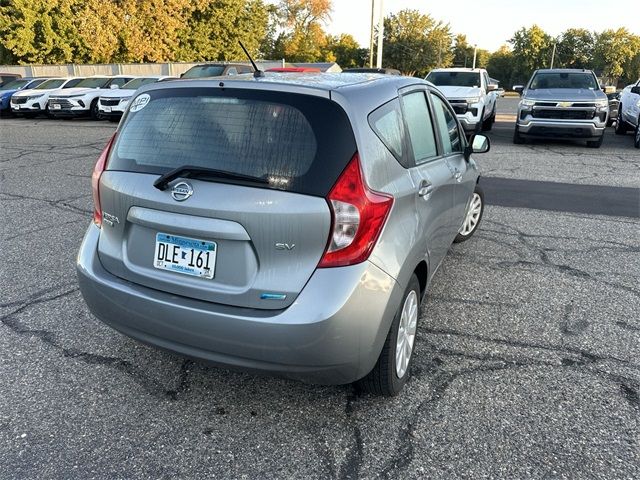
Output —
(189, 171)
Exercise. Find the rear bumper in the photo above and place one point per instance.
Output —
(561, 128)
(332, 334)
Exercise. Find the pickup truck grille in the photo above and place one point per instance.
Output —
(109, 102)
(19, 100)
(460, 107)
(64, 103)
(564, 114)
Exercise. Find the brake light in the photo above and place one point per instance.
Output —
(95, 181)
(358, 216)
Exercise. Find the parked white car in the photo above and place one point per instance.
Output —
(470, 93)
(35, 100)
(629, 112)
(83, 99)
(113, 103)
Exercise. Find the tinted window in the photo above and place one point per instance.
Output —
(119, 81)
(35, 83)
(138, 82)
(93, 82)
(386, 122)
(297, 142)
(563, 80)
(420, 127)
(53, 83)
(204, 71)
(15, 84)
(457, 79)
(447, 126)
(73, 83)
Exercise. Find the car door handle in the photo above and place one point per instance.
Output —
(425, 189)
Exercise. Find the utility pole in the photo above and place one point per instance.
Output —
(553, 54)
(373, 9)
(475, 54)
(380, 35)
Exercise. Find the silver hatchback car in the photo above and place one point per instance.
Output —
(287, 224)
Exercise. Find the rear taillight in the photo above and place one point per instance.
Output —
(95, 181)
(358, 216)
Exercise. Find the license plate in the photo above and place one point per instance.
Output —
(185, 255)
(17, 107)
(56, 106)
(106, 109)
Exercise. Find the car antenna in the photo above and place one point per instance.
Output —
(257, 73)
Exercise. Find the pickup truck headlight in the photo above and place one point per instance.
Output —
(473, 100)
(602, 104)
(527, 103)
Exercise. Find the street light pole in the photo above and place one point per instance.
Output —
(553, 54)
(373, 9)
(380, 35)
(475, 54)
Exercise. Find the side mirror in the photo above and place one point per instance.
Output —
(477, 144)
(113, 86)
(518, 88)
(492, 87)
(635, 90)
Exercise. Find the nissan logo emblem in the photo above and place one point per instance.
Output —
(181, 191)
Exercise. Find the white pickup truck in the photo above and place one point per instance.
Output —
(471, 94)
(629, 112)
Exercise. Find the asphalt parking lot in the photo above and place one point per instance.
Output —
(526, 363)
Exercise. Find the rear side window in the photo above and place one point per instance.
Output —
(298, 143)
(447, 125)
(420, 126)
(386, 122)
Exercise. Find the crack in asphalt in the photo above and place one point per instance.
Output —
(137, 375)
(60, 204)
(350, 469)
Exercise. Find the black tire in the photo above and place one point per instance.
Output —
(621, 127)
(383, 379)
(480, 124)
(636, 140)
(464, 237)
(595, 143)
(517, 138)
(94, 112)
(487, 125)
(113, 119)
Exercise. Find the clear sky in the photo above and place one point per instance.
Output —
(490, 23)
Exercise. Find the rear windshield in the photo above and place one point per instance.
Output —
(454, 79)
(93, 82)
(204, 71)
(564, 80)
(299, 143)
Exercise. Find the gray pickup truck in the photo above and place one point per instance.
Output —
(562, 103)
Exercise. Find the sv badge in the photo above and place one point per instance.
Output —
(285, 246)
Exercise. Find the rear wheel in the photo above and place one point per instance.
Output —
(394, 364)
(473, 216)
(595, 143)
(621, 127)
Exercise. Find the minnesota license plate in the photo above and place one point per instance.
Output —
(56, 106)
(185, 255)
(106, 109)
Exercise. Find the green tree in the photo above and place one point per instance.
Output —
(214, 28)
(302, 38)
(574, 49)
(462, 52)
(345, 51)
(415, 43)
(614, 50)
(531, 50)
(501, 66)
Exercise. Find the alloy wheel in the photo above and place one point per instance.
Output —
(473, 215)
(406, 333)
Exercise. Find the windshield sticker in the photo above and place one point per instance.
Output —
(140, 102)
